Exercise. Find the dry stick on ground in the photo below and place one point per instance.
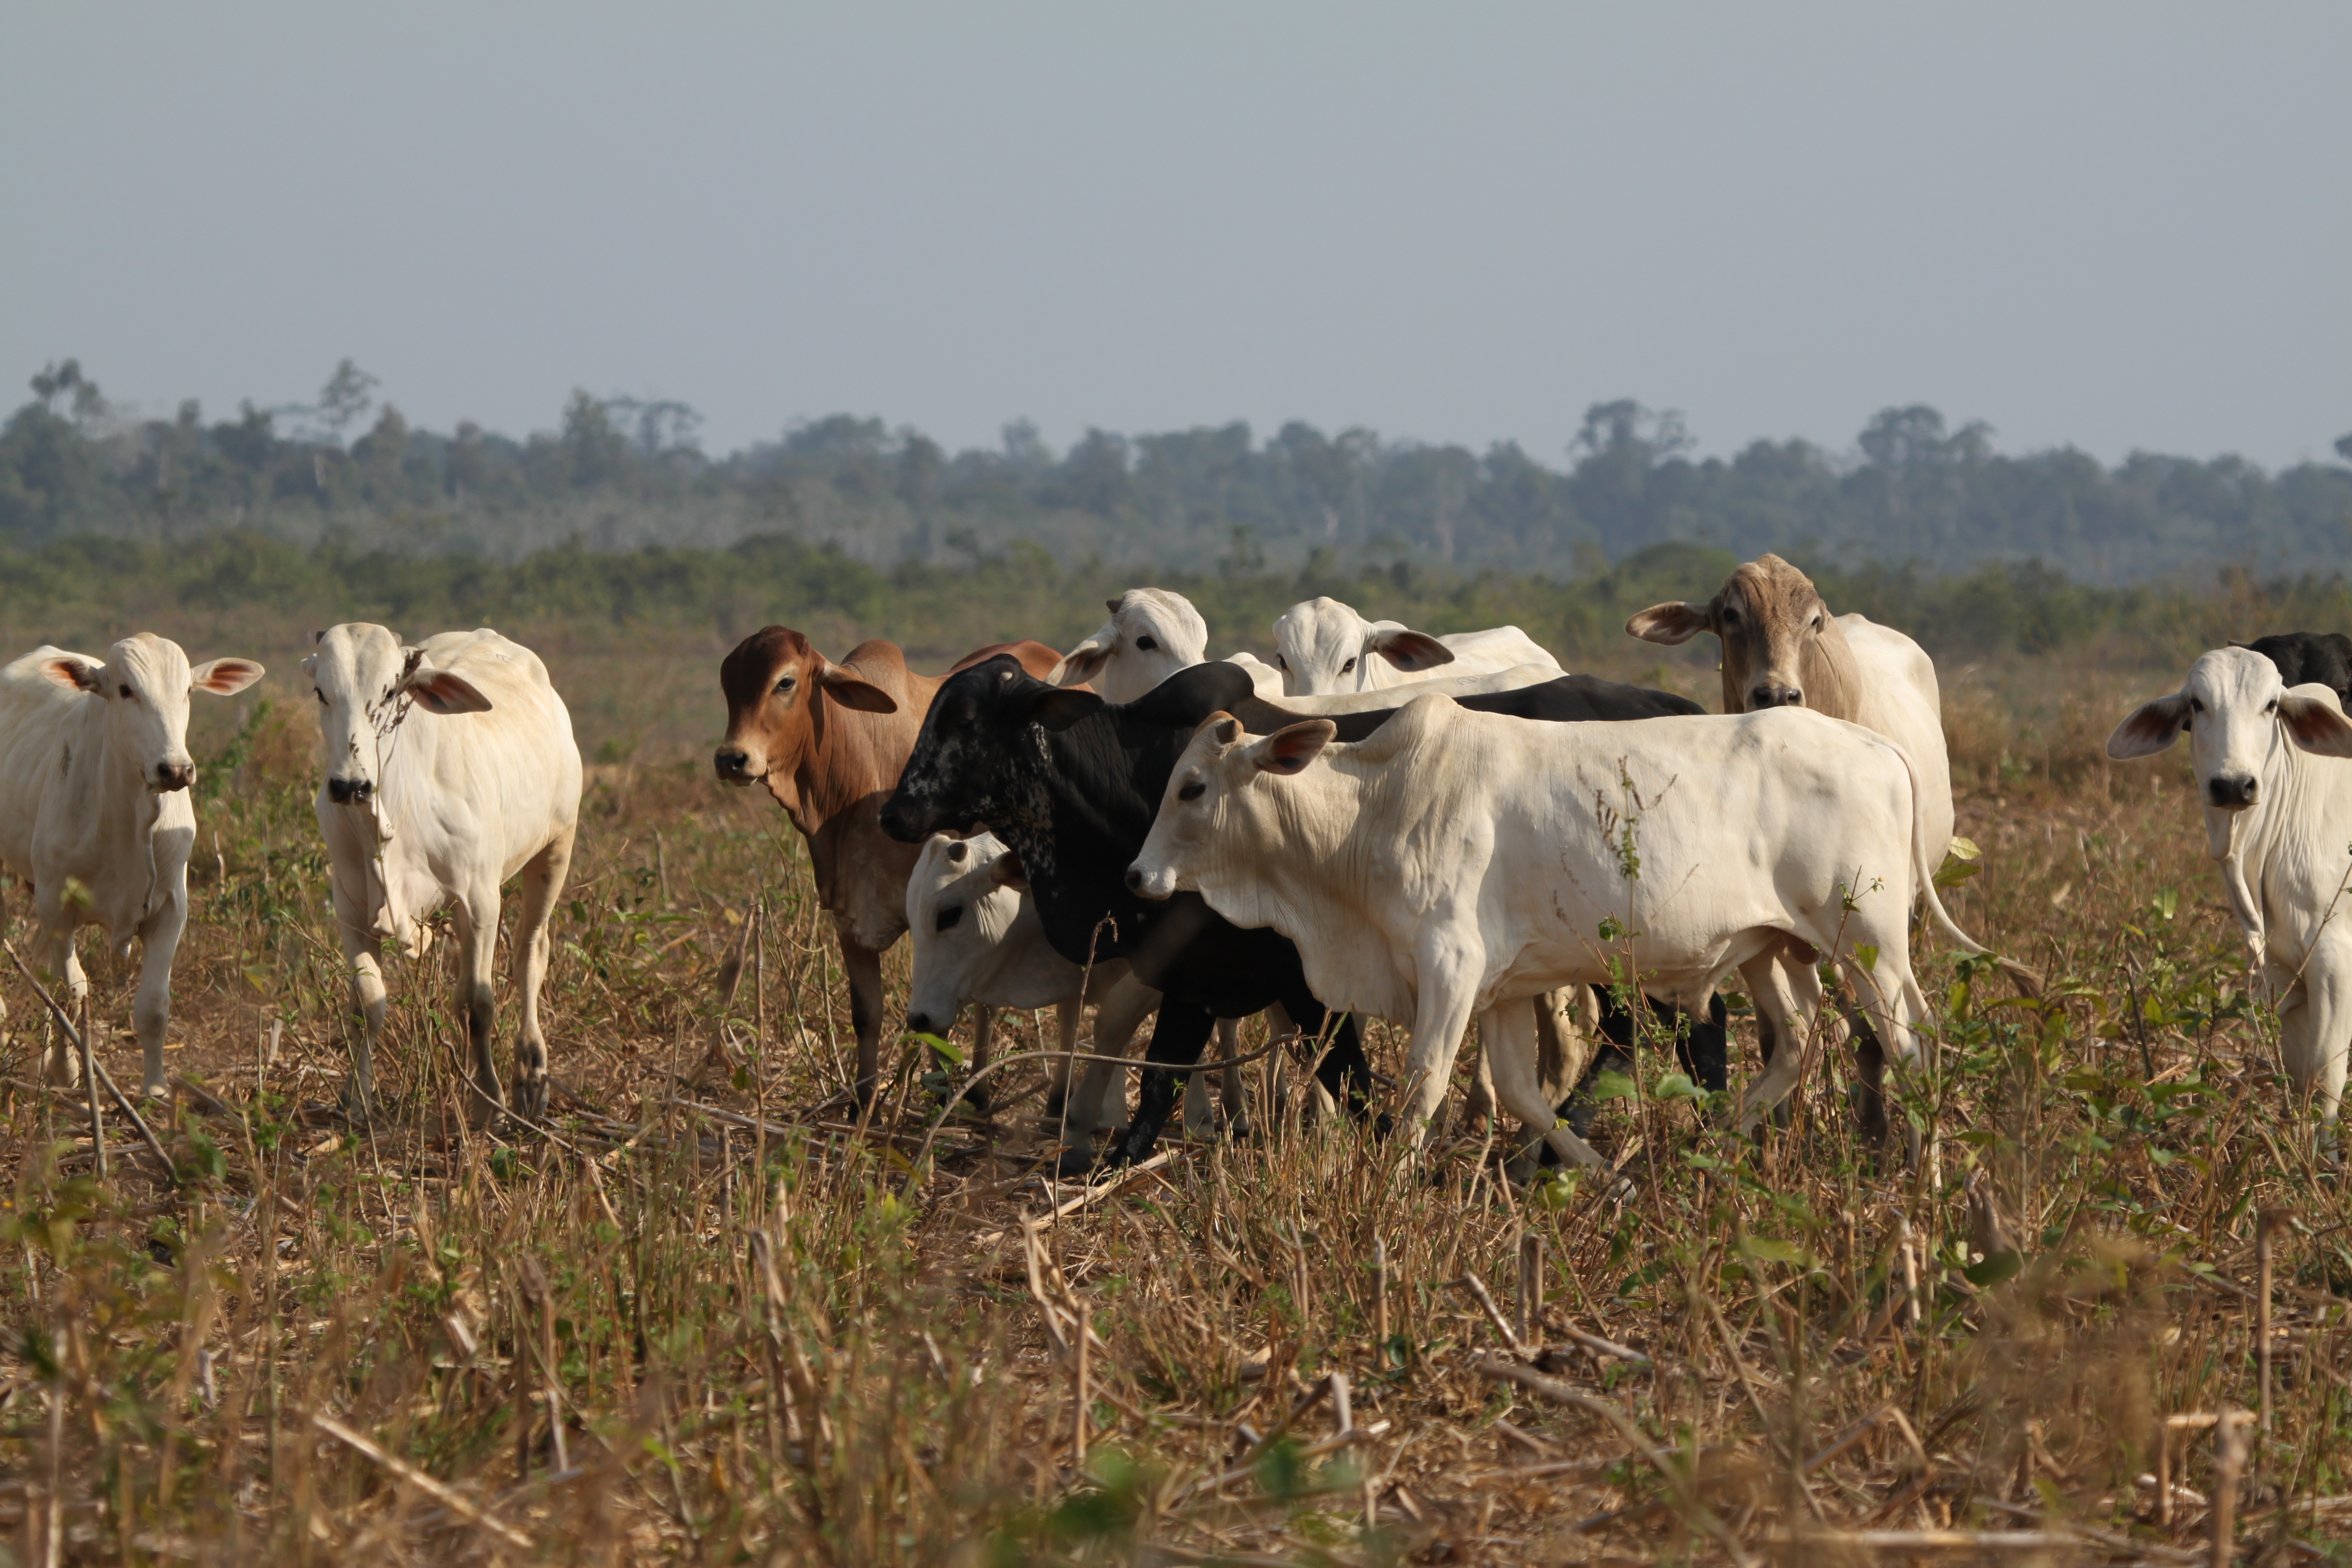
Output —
(2266, 1225)
(154, 1145)
(2229, 1464)
(1477, 1288)
(2194, 1422)
(90, 1083)
(455, 1501)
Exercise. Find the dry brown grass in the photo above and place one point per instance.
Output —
(895, 1395)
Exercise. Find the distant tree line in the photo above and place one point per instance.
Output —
(1914, 494)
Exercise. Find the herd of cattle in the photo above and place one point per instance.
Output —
(1135, 827)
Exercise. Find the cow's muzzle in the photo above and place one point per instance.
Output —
(351, 792)
(1145, 885)
(924, 1024)
(2232, 792)
(170, 776)
(1766, 695)
(732, 764)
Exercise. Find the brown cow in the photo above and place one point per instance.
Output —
(829, 740)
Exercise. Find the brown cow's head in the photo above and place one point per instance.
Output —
(777, 689)
(1781, 647)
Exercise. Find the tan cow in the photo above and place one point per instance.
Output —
(1784, 648)
(829, 740)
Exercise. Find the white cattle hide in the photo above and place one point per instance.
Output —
(1323, 646)
(1457, 862)
(450, 768)
(2278, 816)
(94, 774)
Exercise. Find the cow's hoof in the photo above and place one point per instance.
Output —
(530, 1103)
(1074, 1164)
(357, 1104)
(980, 1099)
(155, 1090)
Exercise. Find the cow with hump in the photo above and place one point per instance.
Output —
(94, 812)
(2278, 815)
(450, 770)
(1070, 782)
(1457, 862)
(828, 740)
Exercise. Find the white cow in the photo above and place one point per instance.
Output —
(978, 940)
(1457, 862)
(94, 773)
(1323, 646)
(2277, 820)
(450, 768)
(1152, 633)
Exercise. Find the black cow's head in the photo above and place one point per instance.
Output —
(972, 739)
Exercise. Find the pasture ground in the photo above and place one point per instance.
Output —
(765, 1331)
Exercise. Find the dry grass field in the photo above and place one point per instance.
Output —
(710, 1315)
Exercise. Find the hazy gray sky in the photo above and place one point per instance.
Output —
(2115, 225)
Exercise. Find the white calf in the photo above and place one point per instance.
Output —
(94, 773)
(450, 768)
(2277, 820)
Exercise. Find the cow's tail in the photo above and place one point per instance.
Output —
(2027, 979)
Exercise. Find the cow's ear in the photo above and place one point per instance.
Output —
(2317, 726)
(440, 692)
(959, 850)
(1010, 872)
(1672, 624)
(2149, 728)
(1409, 650)
(1288, 751)
(1081, 664)
(852, 690)
(224, 677)
(74, 673)
(318, 636)
(1056, 708)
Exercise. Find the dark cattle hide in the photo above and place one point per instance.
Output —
(1570, 699)
(2324, 657)
(1072, 784)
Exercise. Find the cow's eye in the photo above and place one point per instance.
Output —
(2196, 705)
(1730, 617)
(1282, 664)
(2274, 706)
(786, 684)
(948, 917)
(320, 694)
(1193, 790)
(126, 689)
(1347, 667)
(1146, 644)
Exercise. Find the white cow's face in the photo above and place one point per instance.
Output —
(362, 674)
(145, 683)
(1214, 768)
(2237, 714)
(1151, 634)
(1323, 646)
(961, 901)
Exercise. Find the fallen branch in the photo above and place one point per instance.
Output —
(455, 1501)
(1133, 1174)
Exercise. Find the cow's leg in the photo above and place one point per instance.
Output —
(1232, 1088)
(542, 884)
(1345, 1074)
(363, 952)
(1438, 1025)
(1891, 998)
(53, 950)
(1100, 1101)
(983, 1042)
(1790, 995)
(2314, 1027)
(1176, 1042)
(862, 967)
(1068, 1014)
(478, 949)
(150, 1009)
(1508, 1031)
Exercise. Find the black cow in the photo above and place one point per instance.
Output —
(2324, 657)
(1072, 784)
